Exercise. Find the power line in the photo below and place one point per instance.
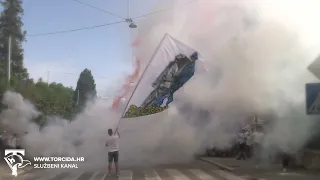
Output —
(152, 13)
(140, 16)
(74, 30)
(94, 7)
(163, 10)
(102, 25)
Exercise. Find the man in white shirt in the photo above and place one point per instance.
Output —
(113, 150)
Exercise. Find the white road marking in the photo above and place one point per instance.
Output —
(202, 175)
(73, 176)
(227, 176)
(22, 177)
(151, 175)
(177, 175)
(125, 175)
(104, 176)
(94, 175)
(48, 176)
(21, 172)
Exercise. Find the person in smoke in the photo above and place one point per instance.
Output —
(113, 150)
(258, 137)
(249, 143)
(287, 155)
(174, 76)
(5, 141)
(2, 148)
(15, 142)
(285, 161)
(242, 136)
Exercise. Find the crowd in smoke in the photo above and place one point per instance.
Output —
(253, 65)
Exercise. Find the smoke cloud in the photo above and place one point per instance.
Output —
(255, 62)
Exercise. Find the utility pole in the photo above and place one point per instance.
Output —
(9, 61)
(132, 37)
(78, 95)
(48, 76)
(128, 9)
(255, 122)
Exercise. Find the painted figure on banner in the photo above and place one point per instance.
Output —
(173, 77)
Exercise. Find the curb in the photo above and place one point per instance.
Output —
(227, 168)
(251, 178)
(221, 166)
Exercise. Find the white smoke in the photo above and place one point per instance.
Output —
(256, 60)
(257, 54)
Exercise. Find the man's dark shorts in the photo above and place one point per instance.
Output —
(113, 156)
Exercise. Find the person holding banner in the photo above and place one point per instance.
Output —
(113, 150)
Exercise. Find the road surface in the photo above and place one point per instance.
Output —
(277, 174)
(196, 170)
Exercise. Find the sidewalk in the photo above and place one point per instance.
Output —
(231, 164)
(248, 170)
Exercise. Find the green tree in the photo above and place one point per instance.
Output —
(50, 99)
(85, 90)
(53, 99)
(11, 26)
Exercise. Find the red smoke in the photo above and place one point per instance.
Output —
(136, 42)
(126, 88)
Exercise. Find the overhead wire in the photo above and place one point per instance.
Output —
(162, 10)
(74, 30)
(102, 25)
(99, 9)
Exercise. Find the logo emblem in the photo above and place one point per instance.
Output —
(14, 159)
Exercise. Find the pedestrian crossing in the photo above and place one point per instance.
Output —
(202, 175)
(175, 174)
(150, 174)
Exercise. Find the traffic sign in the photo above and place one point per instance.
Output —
(313, 98)
(314, 67)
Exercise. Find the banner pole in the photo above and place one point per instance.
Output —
(135, 88)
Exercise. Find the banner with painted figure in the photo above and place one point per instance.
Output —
(172, 65)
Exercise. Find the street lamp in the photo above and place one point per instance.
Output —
(131, 23)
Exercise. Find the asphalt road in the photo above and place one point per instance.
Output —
(276, 173)
(265, 171)
(196, 170)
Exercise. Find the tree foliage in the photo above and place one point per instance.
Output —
(11, 26)
(50, 99)
(85, 90)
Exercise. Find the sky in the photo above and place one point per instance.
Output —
(106, 51)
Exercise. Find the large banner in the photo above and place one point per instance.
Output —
(172, 65)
